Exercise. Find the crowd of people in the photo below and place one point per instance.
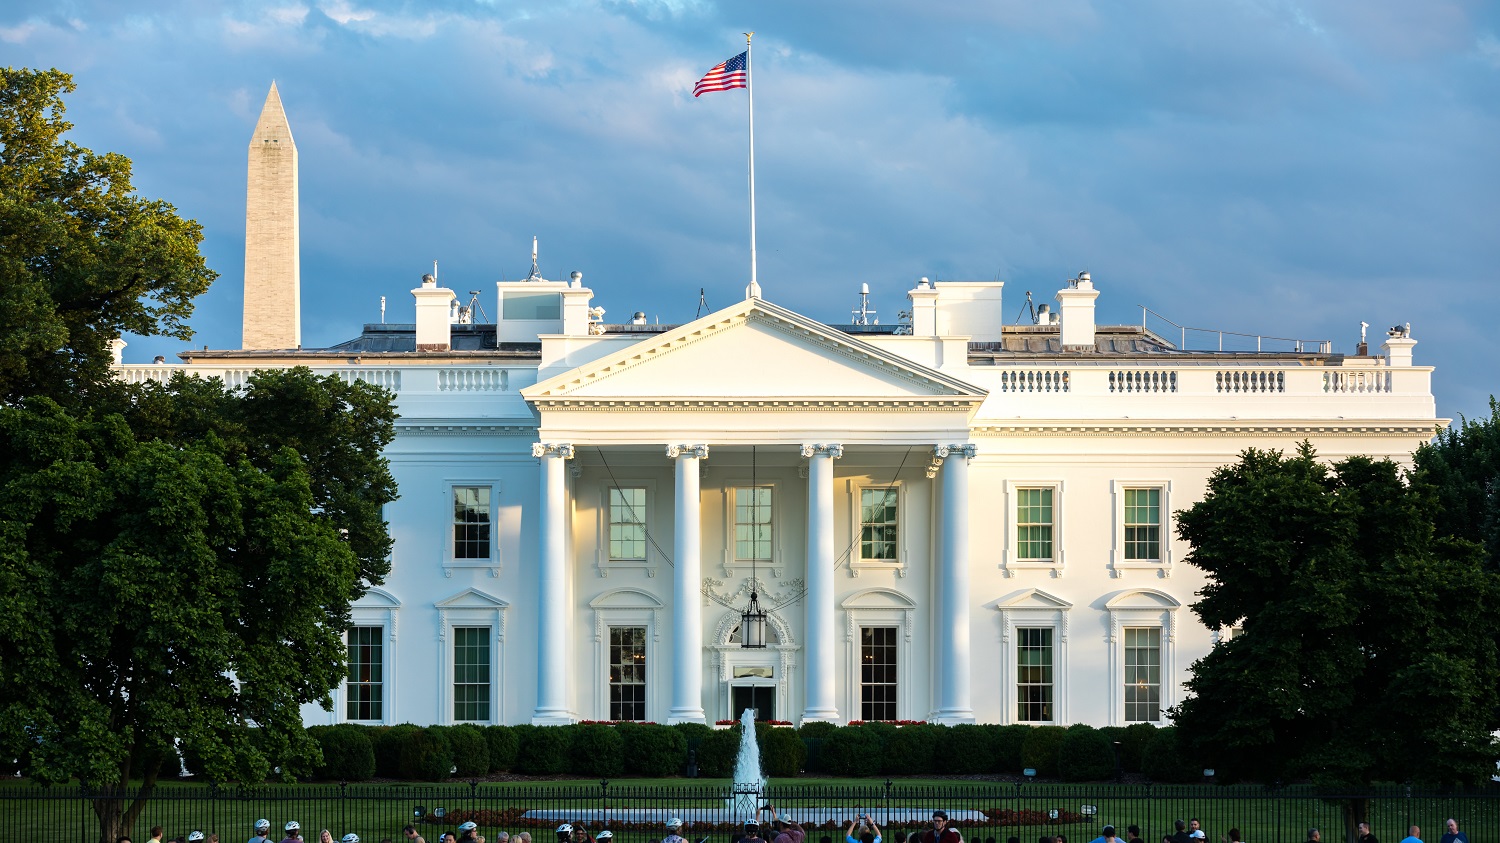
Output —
(769, 826)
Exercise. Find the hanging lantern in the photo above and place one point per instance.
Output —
(753, 625)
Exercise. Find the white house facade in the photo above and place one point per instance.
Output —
(949, 519)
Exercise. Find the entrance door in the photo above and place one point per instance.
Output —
(762, 698)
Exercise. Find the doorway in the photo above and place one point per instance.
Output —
(762, 698)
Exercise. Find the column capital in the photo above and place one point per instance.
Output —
(552, 449)
(811, 450)
(700, 451)
(965, 450)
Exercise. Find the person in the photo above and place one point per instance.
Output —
(160, 360)
(869, 832)
(122, 839)
(1234, 835)
(155, 834)
(1195, 829)
(605, 836)
(411, 835)
(262, 831)
(293, 832)
(580, 834)
(504, 837)
(1363, 834)
(351, 837)
(1106, 835)
(468, 832)
(325, 836)
(1413, 835)
(674, 825)
(1133, 833)
(195, 836)
(901, 837)
(1180, 835)
(752, 833)
(940, 831)
(1454, 835)
(789, 831)
(1314, 836)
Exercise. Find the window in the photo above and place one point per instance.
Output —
(471, 673)
(877, 525)
(1034, 660)
(1034, 524)
(627, 673)
(365, 687)
(1142, 674)
(471, 522)
(877, 681)
(522, 305)
(752, 523)
(627, 524)
(1142, 525)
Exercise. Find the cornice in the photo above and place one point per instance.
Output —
(911, 404)
(1420, 428)
(433, 427)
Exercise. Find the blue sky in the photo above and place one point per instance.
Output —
(1284, 168)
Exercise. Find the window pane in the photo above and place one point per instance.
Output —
(521, 305)
(877, 683)
(627, 524)
(1143, 524)
(471, 522)
(471, 673)
(877, 529)
(1034, 524)
(365, 687)
(1142, 674)
(752, 523)
(627, 673)
(1034, 659)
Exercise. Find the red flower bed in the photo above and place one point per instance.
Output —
(1029, 816)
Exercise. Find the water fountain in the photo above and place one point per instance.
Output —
(749, 786)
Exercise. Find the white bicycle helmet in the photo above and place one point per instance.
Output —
(468, 826)
(293, 826)
(565, 828)
(674, 823)
(604, 835)
(195, 836)
(351, 837)
(262, 825)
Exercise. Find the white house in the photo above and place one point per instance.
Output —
(949, 519)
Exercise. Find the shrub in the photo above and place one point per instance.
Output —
(1137, 736)
(852, 751)
(503, 744)
(545, 750)
(1085, 755)
(716, 753)
(653, 751)
(426, 754)
(387, 744)
(1039, 750)
(966, 749)
(813, 736)
(471, 751)
(781, 752)
(1166, 759)
(348, 754)
(910, 751)
(1006, 743)
(597, 751)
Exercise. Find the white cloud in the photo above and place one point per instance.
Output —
(17, 34)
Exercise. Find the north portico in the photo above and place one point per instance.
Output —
(756, 409)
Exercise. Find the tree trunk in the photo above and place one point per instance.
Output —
(115, 818)
(1355, 811)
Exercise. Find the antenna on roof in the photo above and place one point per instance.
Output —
(863, 315)
(702, 302)
(1027, 308)
(382, 310)
(536, 274)
(434, 270)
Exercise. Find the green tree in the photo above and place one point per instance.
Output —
(1461, 466)
(178, 560)
(1368, 651)
(82, 257)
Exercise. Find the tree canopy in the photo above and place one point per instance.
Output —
(1368, 648)
(178, 559)
(1461, 466)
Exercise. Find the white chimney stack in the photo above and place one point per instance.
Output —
(1398, 346)
(434, 308)
(1076, 307)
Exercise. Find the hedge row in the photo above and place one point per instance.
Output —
(598, 750)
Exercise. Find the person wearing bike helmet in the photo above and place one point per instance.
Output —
(195, 837)
(605, 836)
(468, 833)
(351, 837)
(674, 832)
(565, 833)
(293, 832)
(262, 831)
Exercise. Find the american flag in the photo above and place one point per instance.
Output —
(725, 75)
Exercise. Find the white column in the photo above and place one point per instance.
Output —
(552, 598)
(687, 586)
(819, 702)
(954, 705)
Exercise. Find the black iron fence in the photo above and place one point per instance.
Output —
(985, 812)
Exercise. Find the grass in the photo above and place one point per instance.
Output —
(379, 810)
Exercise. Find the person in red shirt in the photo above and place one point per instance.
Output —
(940, 831)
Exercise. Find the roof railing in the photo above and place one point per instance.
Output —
(1299, 346)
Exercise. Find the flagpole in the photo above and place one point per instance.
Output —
(752, 291)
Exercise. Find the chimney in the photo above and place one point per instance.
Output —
(117, 350)
(1076, 307)
(923, 309)
(434, 309)
(1398, 346)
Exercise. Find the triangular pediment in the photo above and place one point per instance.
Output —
(1032, 598)
(472, 598)
(753, 350)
